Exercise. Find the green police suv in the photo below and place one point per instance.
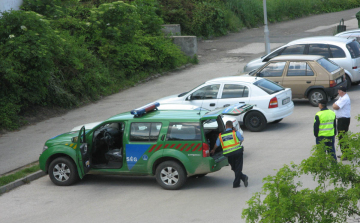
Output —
(171, 145)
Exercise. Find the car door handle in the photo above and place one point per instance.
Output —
(162, 137)
(212, 104)
(308, 82)
(241, 101)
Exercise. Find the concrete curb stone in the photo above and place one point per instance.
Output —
(22, 181)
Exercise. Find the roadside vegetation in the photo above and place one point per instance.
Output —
(333, 197)
(4, 180)
(65, 53)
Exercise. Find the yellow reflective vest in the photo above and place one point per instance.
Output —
(229, 142)
(326, 127)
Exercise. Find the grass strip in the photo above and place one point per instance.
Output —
(18, 175)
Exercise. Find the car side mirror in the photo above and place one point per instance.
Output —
(188, 98)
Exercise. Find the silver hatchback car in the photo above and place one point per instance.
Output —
(344, 52)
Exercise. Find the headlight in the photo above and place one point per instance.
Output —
(45, 148)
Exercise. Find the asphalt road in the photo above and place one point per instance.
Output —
(140, 199)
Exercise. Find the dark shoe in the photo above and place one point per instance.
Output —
(246, 183)
(236, 186)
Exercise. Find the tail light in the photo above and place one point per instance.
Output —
(332, 83)
(273, 103)
(205, 150)
(354, 67)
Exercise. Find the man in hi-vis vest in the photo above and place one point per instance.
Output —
(230, 141)
(325, 127)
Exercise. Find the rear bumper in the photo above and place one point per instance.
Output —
(332, 92)
(212, 164)
(274, 114)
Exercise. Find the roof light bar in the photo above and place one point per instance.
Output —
(145, 109)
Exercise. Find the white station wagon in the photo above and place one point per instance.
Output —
(271, 101)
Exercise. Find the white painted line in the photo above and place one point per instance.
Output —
(254, 48)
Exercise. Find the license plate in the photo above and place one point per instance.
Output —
(285, 101)
(338, 81)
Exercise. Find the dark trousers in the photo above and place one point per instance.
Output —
(330, 143)
(236, 162)
(342, 128)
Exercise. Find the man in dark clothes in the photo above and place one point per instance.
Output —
(231, 140)
(325, 127)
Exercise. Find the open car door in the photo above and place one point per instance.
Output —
(236, 109)
(82, 153)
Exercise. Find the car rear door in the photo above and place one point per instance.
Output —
(299, 77)
(233, 93)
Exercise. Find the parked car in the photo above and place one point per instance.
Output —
(344, 52)
(168, 144)
(164, 107)
(272, 101)
(351, 34)
(308, 76)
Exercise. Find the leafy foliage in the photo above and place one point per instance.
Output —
(334, 198)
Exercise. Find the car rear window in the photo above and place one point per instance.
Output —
(183, 131)
(354, 49)
(268, 86)
(328, 65)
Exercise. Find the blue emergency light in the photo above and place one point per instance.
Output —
(147, 108)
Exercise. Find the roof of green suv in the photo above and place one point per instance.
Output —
(188, 115)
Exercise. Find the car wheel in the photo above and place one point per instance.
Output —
(63, 172)
(315, 96)
(255, 121)
(348, 86)
(170, 175)
(277, 121)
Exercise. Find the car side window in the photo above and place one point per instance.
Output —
(272, 70)
(319, 49)
(295, 49)
(207, 92)
(299, 69)
(337, 52)
(144, 131)
(186, 131)
(235, 91)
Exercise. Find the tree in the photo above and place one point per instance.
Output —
(335, 197)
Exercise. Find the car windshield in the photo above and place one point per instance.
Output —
(268, 86)
(354, 49)
(328, 65)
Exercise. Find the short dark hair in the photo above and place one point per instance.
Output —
(323, 102)
(342, 88)
(229, 124)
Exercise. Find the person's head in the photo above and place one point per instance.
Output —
(229, 124)
(342, 90)
(322, 104)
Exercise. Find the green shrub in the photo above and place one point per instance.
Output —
(209, 19)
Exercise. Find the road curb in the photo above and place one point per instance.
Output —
(22, 181)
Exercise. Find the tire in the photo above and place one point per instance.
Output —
(315, 96)
(348, 86)
(277, 121)
(63, 171)
(170, 175)
(255, 121)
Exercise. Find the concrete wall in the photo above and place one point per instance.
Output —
(187, 44)
(7, 5)
(172, 29)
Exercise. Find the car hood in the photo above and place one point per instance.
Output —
(170, 99)
(64, 139)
